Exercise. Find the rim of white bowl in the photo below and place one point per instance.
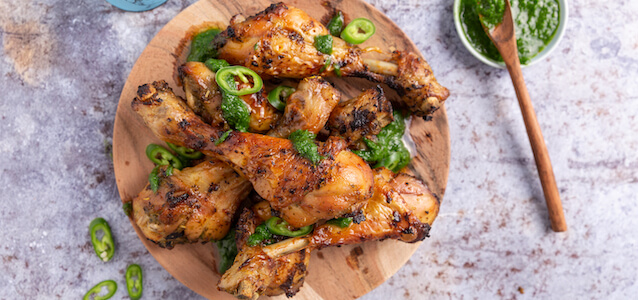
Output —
(562, 25)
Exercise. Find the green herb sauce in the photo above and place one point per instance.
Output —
(304, 143)
(535, 22)
(227, 251)
(388, 150)
(202, 46)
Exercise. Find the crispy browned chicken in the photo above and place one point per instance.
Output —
(264, 270)
(303, 192)
(279, 42)
(196, 204)
(402, 208)
(362, 116)
(204, 98)
(308, 108)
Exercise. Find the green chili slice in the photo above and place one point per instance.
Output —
(226, 74)
(201, 45)
(94, 292)
(215, 64)
(102, 239)
(223, 137)
(134, 281)
(323, 43)
(260, 235)
(279, 226)
(161, 156)
(341, 222)
(358, 31)
(279, 95)
(153, 179)
(185, 152)
(336, 24)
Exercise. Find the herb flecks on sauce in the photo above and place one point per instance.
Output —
(535, 24)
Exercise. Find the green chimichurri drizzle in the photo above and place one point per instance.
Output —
(535, 22)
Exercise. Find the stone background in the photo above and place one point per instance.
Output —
(63, 64)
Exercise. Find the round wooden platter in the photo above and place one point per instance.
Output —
(334, 273)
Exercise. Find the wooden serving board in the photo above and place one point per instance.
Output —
(334, 273)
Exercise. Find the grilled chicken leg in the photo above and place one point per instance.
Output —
(303, 192)
(402, 208)
(279, 42)
(194, 204)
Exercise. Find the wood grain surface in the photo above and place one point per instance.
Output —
(334, 273)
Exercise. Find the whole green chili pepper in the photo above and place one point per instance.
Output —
(227, 250)
(323, 44)
(184, 152)
(279, 226)
(341, 222)
(134, 281)
(216, 64)
(227, 74)
(279, 95)
(94, 292)
(161, 156)
(102, 239)
(261, 234)
(336, 24)
(201, 46)
(304, 142)
(358, 31)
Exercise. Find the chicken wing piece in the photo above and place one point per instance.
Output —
(264, 270)
(279, 42)
(402, 208)
(204, 98)
(195, 204)
(362, 116)
(302, 191)
(308, 108)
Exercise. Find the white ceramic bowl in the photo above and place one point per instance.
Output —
(562, 24)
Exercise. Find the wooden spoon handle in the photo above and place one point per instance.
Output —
(541, 156)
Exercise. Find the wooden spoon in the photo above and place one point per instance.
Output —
(502, 35)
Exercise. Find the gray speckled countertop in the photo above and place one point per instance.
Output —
(63, 65)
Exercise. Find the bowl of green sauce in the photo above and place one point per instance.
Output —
(539, 26)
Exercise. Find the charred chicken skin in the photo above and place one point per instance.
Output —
(308, 108)
(205, 99)
(402, 208)
(362, 116)
(302, 191)
(279, 42)
(196, 204)
(264, 270)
